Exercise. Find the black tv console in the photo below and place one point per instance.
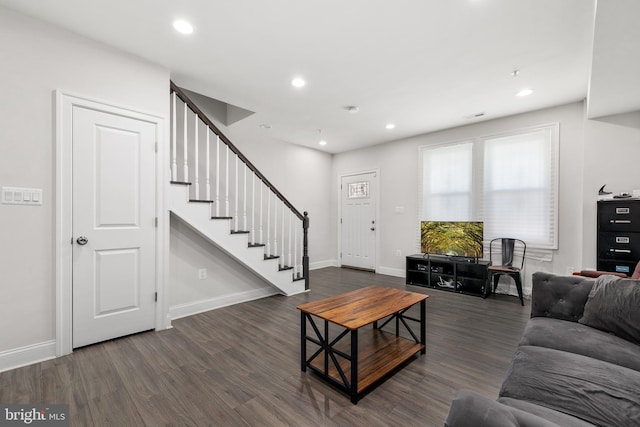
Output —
(454, 274)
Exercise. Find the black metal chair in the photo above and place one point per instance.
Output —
(507, 248)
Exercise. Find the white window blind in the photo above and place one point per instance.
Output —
(447, 184)
(520, 181)
(508, 181)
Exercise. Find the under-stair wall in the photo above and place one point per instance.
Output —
(218, 192)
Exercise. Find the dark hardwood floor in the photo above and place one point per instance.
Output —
(240, 365)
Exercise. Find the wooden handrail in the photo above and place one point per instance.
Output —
(223, 137)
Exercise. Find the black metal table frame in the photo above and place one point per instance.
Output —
(351, 387)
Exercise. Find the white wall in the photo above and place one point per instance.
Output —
(36, 60)
(611, 155)
(227, 282)
(399, 179)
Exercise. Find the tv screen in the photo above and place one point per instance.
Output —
(455, 238)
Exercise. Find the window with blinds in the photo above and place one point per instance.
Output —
(508, 181)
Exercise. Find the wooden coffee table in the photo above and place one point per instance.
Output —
(368, 357)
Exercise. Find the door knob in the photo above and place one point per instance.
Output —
(82, 240)
(373, 229)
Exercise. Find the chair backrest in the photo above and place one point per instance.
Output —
(508, 247)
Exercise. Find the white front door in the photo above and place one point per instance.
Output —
(114, 205)
(358, 221)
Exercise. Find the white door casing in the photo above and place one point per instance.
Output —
(358, 220)
(126, 243)
(114, 212)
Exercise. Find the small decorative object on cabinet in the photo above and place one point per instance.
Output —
(618, 235)
(455, 274)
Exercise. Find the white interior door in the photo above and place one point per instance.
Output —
(114, 233)
(358, 221)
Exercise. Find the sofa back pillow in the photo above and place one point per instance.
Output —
(613, 305)
(559, 297)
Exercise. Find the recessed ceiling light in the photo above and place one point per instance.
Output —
(298, 82)
(352, 109)
(265, 126)
(182, 26)
(524, 92)
(322, 142)
(390, 126)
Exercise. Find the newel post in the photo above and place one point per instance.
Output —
(305, 250)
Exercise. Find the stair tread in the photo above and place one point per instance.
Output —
(295, 279)
(200, 201)
(240, 232)
(180, 182)
(221, 217)
(285, 267)
(257, 245)
(271, 257)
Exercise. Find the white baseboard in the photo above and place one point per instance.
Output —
(396, 272)
(27, 355)
(189, 309)
(322, 264)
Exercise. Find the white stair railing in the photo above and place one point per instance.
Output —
(258, 207)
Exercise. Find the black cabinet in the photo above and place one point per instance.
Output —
(618, 235)
(455, 274)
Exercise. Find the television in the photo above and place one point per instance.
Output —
(452, 238)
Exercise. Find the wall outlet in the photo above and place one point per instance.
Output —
(398, 252)
(202, 273)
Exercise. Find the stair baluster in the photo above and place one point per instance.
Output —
(208, 168)
(196, 157)
(174, 139)
(217, 202)
(269, 253)
(184, 146)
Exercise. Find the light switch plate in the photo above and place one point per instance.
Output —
(21, 196)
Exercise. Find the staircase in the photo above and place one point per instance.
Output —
(221, 195)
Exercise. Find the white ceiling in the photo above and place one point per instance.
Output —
(422, 64)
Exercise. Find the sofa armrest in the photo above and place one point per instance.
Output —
(559, 297)
(594, 274)
(471, 409)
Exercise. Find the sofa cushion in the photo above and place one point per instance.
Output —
(548, 414)
(581, 339)
(559, 297)
(596, 391)
(471, 409)
(614, 306)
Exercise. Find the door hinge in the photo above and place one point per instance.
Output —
(72, 240)
(156, 297)
(156, 146)
(156, 222)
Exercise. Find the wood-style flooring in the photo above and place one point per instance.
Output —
(240, 365)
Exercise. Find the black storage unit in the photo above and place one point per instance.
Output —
(618, 235)
(455, 274)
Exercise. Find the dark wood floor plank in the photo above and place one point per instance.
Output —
(21, 385)
(240, 365)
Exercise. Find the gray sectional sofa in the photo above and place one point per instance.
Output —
(578, 363)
